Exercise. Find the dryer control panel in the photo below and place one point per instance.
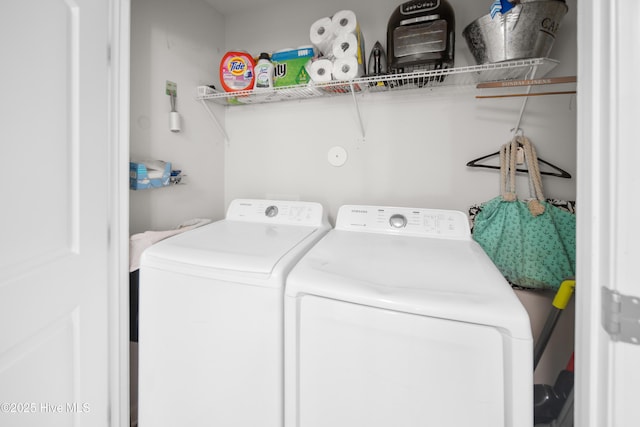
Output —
(278, 212)
(406, 221)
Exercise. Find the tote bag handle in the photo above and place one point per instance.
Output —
(508, 155)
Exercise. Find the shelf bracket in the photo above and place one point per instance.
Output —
(355, 102)
(215, 120)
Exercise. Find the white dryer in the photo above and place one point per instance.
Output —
(398, 318)
(211, 316)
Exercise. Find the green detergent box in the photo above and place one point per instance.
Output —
(289, 67)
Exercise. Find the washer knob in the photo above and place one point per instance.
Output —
(271, 211)
(398, 221)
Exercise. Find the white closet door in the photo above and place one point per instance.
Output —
(54, 361)
(608, 371)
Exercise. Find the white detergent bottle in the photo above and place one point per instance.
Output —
(263, 73)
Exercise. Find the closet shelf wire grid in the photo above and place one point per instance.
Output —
(452, 77)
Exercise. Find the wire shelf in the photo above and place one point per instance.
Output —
(462, 76)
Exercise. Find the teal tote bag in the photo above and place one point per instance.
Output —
(533, 243)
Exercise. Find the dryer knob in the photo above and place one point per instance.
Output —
(398, 221)
(271, 211)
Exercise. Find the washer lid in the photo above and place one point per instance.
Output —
(231, 246)
(445, 278)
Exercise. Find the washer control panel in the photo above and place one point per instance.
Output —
(406, 221)
(277, 211)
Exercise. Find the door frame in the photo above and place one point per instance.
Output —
(118, 170)
(590, 183)
(607, 233)
(597, 64)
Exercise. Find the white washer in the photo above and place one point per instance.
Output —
(211, 316)
(398, 318)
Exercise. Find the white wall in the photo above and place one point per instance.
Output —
(181, 41)
(416, 144)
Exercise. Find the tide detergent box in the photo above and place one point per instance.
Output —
(289, 67)
(236, 71)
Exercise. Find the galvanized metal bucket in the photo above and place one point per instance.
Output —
(528, 30)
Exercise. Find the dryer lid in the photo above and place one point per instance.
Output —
(444, 278)
(231, 247)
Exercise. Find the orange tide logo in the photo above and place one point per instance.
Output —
(237, 66)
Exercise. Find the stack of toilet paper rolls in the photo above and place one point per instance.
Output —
(340, 45)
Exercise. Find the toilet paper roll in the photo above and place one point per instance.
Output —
(346, 68)
(174, 121)
(343, 22)
(320, 70)
(321, 35)
(345, 45)
(349, 40)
